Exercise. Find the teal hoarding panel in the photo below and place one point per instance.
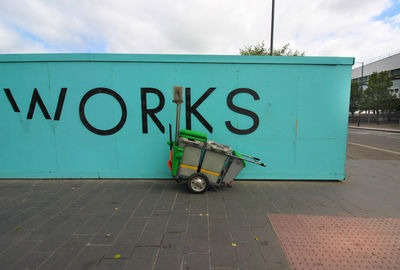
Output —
(107, 115)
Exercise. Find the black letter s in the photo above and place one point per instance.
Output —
(239, 110)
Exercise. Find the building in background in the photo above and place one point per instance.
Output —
(391, 64)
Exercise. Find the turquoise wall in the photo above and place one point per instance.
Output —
(301, 104)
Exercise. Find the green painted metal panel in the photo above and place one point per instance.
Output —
(301, 104)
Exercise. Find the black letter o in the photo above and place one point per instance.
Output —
(85, 121)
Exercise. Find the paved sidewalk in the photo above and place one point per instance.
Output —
(86, 224)
(382, 127)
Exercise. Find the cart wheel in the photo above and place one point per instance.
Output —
(197, 183)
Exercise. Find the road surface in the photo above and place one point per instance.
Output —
(373, 145)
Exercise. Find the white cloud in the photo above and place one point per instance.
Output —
(337, 28)
(395, 19)
(13, 42)
(319, 27)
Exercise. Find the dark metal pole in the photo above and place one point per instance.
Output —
(272, 28)
(361, 91)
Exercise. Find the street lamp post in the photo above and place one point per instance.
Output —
(361, 90)
(271, 49)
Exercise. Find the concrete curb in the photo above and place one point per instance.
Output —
(377, 129)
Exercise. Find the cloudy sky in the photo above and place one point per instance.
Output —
(365, 29)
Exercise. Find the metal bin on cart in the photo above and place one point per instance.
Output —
(233, 168)
(192, 143)
(214, 161)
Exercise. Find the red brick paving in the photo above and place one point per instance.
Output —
(334, 242)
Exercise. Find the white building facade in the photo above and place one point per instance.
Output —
(391, 64)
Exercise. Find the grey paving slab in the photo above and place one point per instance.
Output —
(112, 227)
(14, 196)
(14, 254)
(31, 261)
(249, 256)
(156, 227)
(167, 200)
(123, 245)
(52, 224)
(241, 232)
(314, 198)
(136, 224)
(215, 200)
(168, 261)
(178, 222)
(158, 220)
(196, 262)
(173, 243)
(11, 238)
(198, 204)
(111, 264)
(150, 239)
(217, 213)
(389, 170)
(196, 240)
(65, 254)
(220, 234)
(88, 258)
(16, 216)
(54, 207)
(238, 218)
(354, 200)
(283, 202)
(48, 220)
(93, 197)
(296, 203)
(270, 248)
(150, 200)
(234, 209)
(132, 202)
(63, 233)
(49, 192)
(97, 221)
(223, 256)
(39, 219)
(182, 200)
(108, 210)
(14, 213)
(253, 206)
(259, 191)
(143, 258)
(257, 219)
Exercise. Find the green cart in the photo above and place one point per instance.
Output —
(205, 163)
(200, 161)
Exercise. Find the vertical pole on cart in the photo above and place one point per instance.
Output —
(170, 149)
(178, 99)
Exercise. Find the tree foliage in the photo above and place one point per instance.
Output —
(355, 97)
(261, 49)
(377, 96)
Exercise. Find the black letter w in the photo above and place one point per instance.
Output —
(37, 99)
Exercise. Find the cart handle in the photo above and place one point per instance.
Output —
(255, 158)
(252, 161)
